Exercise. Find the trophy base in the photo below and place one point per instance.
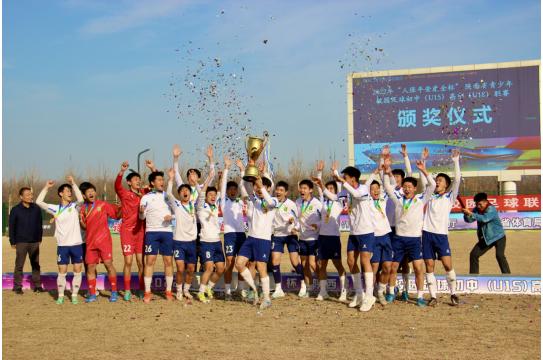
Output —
(249, 178)
(251, 173)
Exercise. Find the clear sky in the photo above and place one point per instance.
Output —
(88, 84)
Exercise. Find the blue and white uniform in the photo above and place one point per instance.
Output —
(158, 231)
(282, 227)
(184, 235)
(232, 215)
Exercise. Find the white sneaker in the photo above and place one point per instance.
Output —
(343, 296)
(322, 297)
(265, 304)
(303, 293)
(243, 294)
(381, 298)
(187, 294)
(278, 294)
(357, 300)
(179, 296)
(367, 303)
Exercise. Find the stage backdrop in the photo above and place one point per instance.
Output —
(490, 112)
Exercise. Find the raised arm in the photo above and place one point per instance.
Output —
(40, 200)
(267, 197)
(431, 182)
(457, 174)
(78, 196)
(243, 190)
(176, 152)
(224, 178)
(408, 170)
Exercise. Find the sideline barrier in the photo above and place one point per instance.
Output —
(467, 284)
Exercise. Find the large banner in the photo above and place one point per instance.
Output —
(505, 202)
(491, 115)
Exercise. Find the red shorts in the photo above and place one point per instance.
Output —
(132, 241)
(102, 252)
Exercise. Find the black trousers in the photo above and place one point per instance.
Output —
(481, 248)
(33, 252)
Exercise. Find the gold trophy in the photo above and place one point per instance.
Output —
(254, 146)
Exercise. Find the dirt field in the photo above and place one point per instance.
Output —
(483, 327)
(523, 253)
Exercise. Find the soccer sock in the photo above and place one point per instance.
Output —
(405, 278)
(113, 282)
(390, 290)
(246, 274)
(92, 286)
(432, 286)
(357, 281)
(322, 285)
(202, 289)
(342, 282)
(147, 280)
(227, 289)
(451, 280)
(277, 274)
(210, 284)
(420, 294)
(141, 282)
(368, 279)
(382, 288)
(76, 283)
(61, 284)
(186, 287)
(266, 287)
(300, 270)
(127, 282)
(169, 283)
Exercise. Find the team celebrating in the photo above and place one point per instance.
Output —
(391, 227)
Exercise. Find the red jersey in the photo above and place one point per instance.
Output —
(130, 206)
(94, 216)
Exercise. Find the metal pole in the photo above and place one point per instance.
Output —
(139, 156)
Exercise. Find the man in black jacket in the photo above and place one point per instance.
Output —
(25, 233)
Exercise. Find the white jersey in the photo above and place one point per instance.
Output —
(436, 217)
(67, 227)
(379, 211)
(261, 213)
(155, 208)
(208, 214)
(281, 223)
(331, 210)
(309, 218)
(410, 212)
(185, 217)
(232, 209)
(391, 212)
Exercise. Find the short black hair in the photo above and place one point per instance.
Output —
(307, 182)
(23, 189)
(375, 182)
(266, 182)
(211, 189)
(131, 175)
(446, 177)
(399, 172)
(196, 171)
(231, 184)
(84, 186)
(183, 186)
(333, 183)
(480, 197)
(282, 184)
(154, 175)
(411, 180)
(62, 187)
(352, 171)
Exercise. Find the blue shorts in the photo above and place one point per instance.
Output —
(159, 242)
(382, 251)
(233, 242)
(309, 248)
(70, 254)
(329, 247)
(211, 251)
(409, 246)
(256, 249)
(365, 242)
(352, 243)
(435, 244)
(279, 242)
(185, 251)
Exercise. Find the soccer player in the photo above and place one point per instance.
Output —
(409, 220)
(93, 218)
(436, 228)
(184, 237)
(234, 227)
(261, 213)
(329, 242)
(283, 234)
(67, 233)
(158, 234)
(362, 237)
(211, 252)
(132, 228)
(309, 219)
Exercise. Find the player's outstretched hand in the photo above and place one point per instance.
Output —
(227, 162)
(176, 152)
(403, 151)
(425, 154)
(49, 184)
(455, 154)
(240, 165)
(171, 173)
(421, 166)
(124, 166)
(70, 179)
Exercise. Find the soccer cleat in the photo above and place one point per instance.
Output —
(367, 303)
(60, 300)
(18, 291)
(382, 299)
(322, 297)
(243, 293)
(389, 298)
(421, 302)
(75, 301)
(140, 294)
(279, 293)
(39, 289)
(113, 297)
(227, 297)
(357, 301)
(169, 296)
(432, 302)
(179, 296)
(147, 297)
(209, 293)
(127, 295)
(404, 296)
(303, 293)
(343, 296)
(187, 294)
(455, 301)
(91, 298)
(202, 298)
(265, 304)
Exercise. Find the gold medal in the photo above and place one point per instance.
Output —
(327, 218)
